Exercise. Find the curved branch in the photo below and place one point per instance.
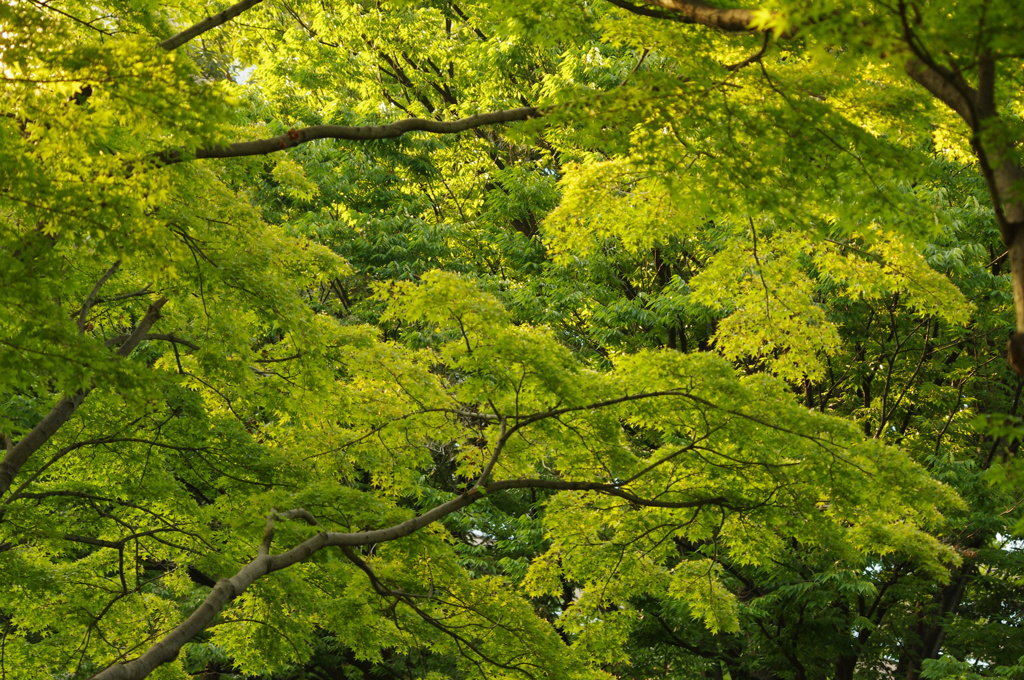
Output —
(299, 136)
(169, 337)
(227, 589)
(264, 563)
(753, 58)
(946, 87)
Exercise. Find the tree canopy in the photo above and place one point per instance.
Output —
(569, 339)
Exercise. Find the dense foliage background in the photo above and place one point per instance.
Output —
(576, 339)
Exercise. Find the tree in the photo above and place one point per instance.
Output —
(222, 362)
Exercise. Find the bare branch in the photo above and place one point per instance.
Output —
(123, 296)
(119, 545)
(207, 24)
(377, 584)
(264, 563)
(755, 57)
(646, 12)
(300, 513)
(18, 454)
(697, 12)
(986, 96)
(115, 545)
(82, 22)
(171, 337)
(61, 493)
(140, 332)
(609, 489)
(299, 136)
(268, 536)
(91, 297)
(498, 447)
(945, 87)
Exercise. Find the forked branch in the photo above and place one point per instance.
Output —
(19, 454)
(90, 299)
(264, 563)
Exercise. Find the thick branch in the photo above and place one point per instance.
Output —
(1003, 176)
(207, 24)
(140, 332)
(986, 97)
(360, 133)
(696, 12)
(167, 649)
(18, 454)
(646, 12)
(946, 87)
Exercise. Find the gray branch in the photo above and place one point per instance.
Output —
(207, 24)
(91, 297)
(19, 454)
